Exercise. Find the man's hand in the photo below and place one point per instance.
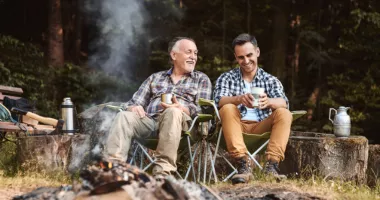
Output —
(246, 100)
(139, 110)
(175, 104)
(264, 101)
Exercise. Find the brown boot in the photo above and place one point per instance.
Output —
(244, 168)
(271, 169)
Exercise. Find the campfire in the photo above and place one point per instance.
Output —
(117, 180)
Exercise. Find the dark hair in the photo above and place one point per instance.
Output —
(175, 40)
(244, 38)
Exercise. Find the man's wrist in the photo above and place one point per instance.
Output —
(239, 99)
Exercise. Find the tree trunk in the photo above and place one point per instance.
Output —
(294, 60)
(55, 35)
(312, 103)
(280, 36)
(327, 156)
(78, 31)
(249, 8)
(53, 152)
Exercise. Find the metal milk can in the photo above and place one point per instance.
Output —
(67, 114)
(342, 122)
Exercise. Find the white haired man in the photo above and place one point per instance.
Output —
(146, 116)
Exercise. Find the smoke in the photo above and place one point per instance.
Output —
(119, 25)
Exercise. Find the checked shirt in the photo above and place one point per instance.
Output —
(231, 83)
(188, 90)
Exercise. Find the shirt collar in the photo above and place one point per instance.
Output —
(259, 74)
(170, 71)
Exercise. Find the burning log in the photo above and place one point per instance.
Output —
(118, 180)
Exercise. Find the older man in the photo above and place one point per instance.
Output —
(233, 96)
(146, 116)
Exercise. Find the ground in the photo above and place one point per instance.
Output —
(226, 191)
(8, 193)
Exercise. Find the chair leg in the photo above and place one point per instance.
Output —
(212, 164)
(191, 167)
(201, 150)
(205, 162)
(133, 157)
(152, 161)
(232, 173)
(252, 156)
(141, 160)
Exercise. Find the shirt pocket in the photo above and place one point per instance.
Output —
(159, 88)
(188, 94)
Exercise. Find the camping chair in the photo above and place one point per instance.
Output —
(254, 142)
(187, 141)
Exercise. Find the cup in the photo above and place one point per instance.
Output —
(167, 98)
(256, 91)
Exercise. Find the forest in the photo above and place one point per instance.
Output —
(324, 52)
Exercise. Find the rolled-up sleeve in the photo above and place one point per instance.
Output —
(222, 87)
(277, 90)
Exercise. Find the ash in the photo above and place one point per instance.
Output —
(119, 180)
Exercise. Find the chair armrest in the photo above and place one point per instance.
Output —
(206, 102)
(297, 114)
(204, 117)
(115, 108)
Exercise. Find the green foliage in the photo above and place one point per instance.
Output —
(359, 90)
(22, 65)
(8, 158)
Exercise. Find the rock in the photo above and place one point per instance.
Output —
(326, 155)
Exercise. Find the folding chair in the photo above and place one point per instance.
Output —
(187, 141)
(254, 142)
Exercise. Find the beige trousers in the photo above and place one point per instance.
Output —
(169, 126)
(278, 123)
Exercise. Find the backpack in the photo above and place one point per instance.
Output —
(22, 103)
(5, 115)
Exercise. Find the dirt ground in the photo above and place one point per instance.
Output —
(9, 193)
(244, 191)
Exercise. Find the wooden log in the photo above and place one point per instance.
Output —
(11, 90)
(373, 171)
(67, 153)
(326, 155)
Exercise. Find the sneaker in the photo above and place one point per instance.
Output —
(244, 168)
(271, 168)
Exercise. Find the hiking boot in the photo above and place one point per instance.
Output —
(158, 173)
(244, 168)
(271, 168)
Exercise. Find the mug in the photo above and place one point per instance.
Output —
(256, 91)
(167, 98)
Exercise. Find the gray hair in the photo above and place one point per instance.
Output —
(173, 44)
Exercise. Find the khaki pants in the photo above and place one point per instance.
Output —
(128, 125)
(278, 123)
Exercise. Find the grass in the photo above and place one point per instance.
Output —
(316, 186)
(32, 180)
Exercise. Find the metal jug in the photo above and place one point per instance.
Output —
(67, 114)
(342, 122)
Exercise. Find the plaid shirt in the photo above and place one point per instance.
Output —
(188, 90)
(231, 84)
